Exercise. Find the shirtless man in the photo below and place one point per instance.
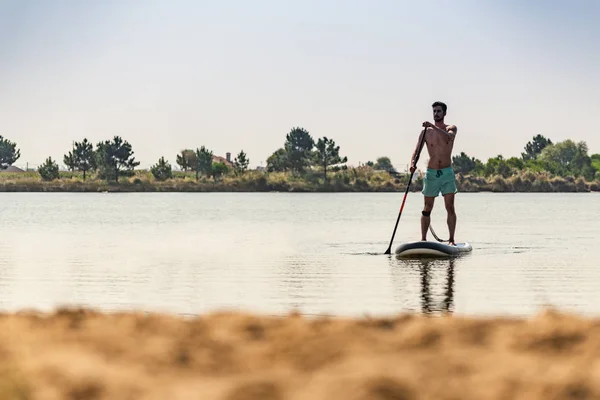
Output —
(440, 175)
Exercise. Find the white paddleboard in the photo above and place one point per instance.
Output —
(431, 249)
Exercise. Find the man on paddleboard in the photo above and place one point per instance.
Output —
(440, 176)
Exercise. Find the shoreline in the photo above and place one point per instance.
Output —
(229, 355)
(70, 187)
(350, 181)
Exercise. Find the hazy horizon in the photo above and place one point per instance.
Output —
(237, 75)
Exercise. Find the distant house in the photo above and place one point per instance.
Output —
(226, 160)
(12, 168)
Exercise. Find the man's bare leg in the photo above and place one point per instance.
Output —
(425, 220)
(451, 220)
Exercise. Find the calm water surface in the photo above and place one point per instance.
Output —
(189, 253)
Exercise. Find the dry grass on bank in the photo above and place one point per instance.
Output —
(82, 354)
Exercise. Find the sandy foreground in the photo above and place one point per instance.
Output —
(83, 354)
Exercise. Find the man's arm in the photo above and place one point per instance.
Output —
(414, 155)
(450, 130)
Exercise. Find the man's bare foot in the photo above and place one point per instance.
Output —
(451, 243)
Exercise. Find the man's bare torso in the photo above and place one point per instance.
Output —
(439, 147)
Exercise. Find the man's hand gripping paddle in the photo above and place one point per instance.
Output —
(389, 249)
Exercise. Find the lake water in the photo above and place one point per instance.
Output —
(189, 253)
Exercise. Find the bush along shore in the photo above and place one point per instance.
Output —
(360, 179)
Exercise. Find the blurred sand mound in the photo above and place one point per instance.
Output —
(83, 354)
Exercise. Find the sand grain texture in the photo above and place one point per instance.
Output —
(84, 354)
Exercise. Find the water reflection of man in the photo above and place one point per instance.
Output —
(427, 305)
(414, 272)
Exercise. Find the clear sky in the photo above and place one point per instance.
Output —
(232, 74)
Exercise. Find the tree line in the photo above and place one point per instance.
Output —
(111, 159)
(564, 159)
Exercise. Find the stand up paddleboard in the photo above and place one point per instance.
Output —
(431, 249)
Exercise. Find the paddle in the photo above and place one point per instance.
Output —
(389, 249)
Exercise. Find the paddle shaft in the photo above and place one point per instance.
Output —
(389, 249)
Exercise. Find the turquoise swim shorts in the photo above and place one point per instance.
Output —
(439, 181)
